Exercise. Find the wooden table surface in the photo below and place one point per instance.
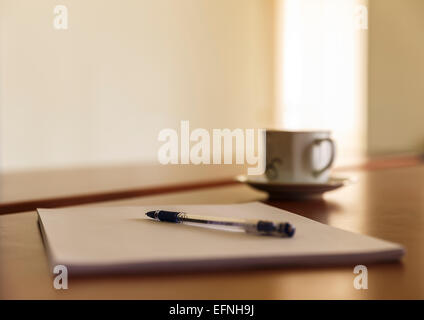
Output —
(386, 203)
(25, 191)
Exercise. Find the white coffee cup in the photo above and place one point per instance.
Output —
(299, 156)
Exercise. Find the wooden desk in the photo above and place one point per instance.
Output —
(26, 191)
(387, 203)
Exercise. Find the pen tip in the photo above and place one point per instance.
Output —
(150, 214)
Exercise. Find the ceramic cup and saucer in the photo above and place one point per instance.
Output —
(298, 165)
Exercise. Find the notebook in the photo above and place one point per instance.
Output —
(123, 239)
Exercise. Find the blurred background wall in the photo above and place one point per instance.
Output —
(396, 76)
(322, 70)
(100, 92)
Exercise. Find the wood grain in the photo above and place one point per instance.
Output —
(25, 191)
(386, 203)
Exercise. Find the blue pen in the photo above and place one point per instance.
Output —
(260, 227)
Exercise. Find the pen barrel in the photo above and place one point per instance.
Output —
(283, 229)
(222, 221)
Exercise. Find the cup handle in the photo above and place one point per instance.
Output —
(332, 157)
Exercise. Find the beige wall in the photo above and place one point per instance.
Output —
(396, 76)
(100, 92)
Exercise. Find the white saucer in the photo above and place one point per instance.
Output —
(280, 191)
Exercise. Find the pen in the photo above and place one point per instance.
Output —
(261, 227)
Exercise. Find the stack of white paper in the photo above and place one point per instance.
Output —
(106, 239)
